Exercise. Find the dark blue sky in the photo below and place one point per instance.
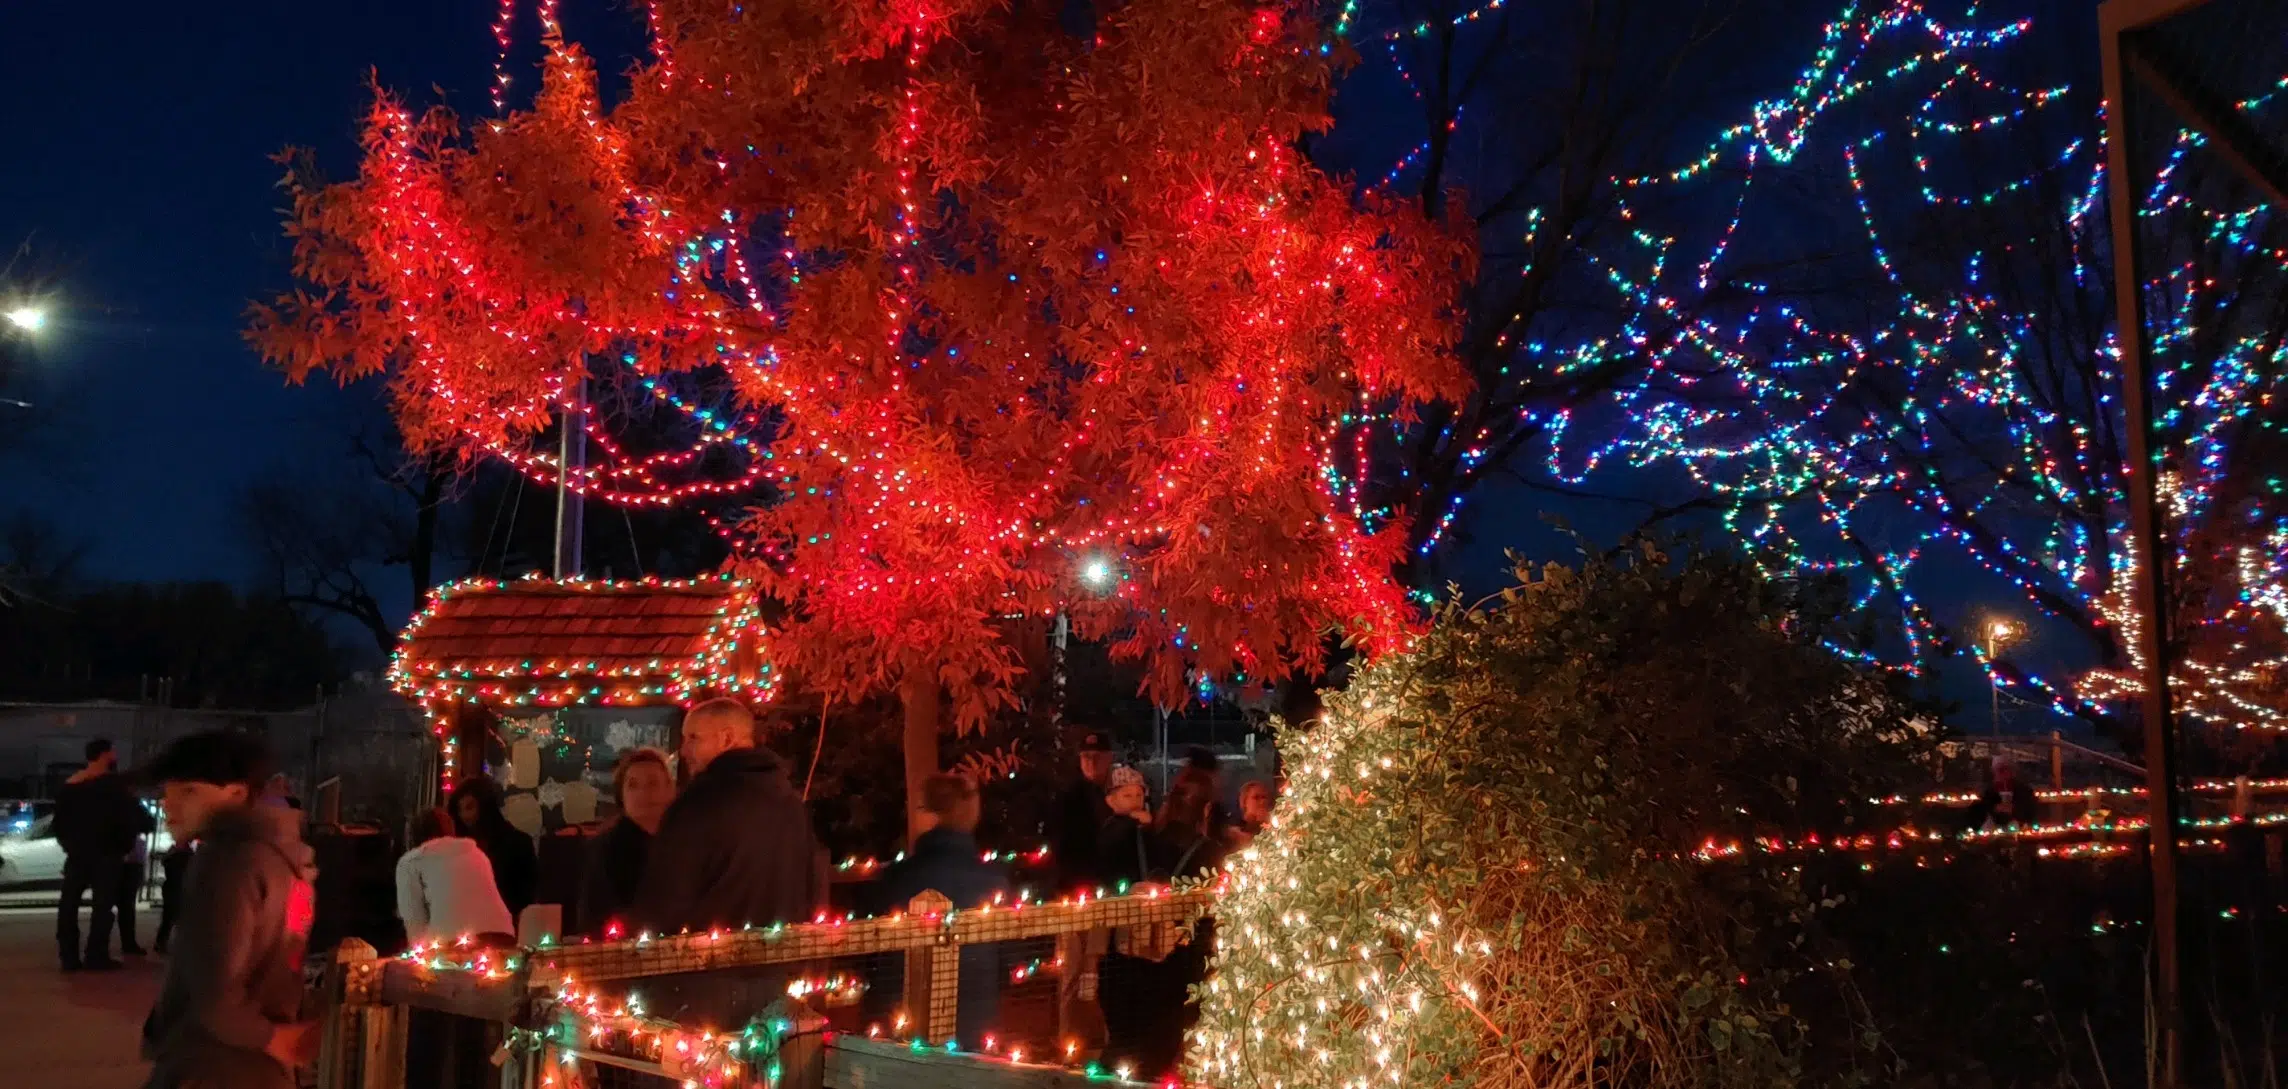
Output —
(139, 135)
(140, 170)
(139, 139)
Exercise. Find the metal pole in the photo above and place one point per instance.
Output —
(571, 455)
(2147, 553)
(1160, 738)
(1993, 691)
(1057, 668)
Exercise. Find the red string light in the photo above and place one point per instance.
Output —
(1145, 346)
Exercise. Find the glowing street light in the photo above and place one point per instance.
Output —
(30, 319)
(1097, 572)
(1998, 632)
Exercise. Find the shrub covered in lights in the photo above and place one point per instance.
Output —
(1483, 873)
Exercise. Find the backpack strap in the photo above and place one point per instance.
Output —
(1178, 871)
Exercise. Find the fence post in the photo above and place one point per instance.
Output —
(933, 973)
(2057, 763)
(350, 986)
(800, 1059)
(383, 1058)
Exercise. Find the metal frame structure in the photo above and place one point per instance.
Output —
(2134, 66)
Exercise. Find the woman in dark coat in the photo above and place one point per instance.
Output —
(644, 786)
(516, 867)
(1187, 841)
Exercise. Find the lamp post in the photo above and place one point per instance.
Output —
(1998, 631)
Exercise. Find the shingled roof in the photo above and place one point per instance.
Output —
(536, 642)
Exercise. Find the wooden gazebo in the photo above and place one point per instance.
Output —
(484, 649)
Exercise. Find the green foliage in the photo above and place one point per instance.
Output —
(1481, 874)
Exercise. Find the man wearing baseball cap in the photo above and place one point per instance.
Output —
(229, 1012)
(1081, 813)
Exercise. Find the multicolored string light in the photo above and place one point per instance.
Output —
(1965, 403)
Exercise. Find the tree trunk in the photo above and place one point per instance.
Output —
(919, 691)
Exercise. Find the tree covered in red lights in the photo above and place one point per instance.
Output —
(1016, 319)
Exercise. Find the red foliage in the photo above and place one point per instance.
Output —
(1028, 303)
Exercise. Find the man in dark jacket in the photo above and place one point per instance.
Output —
(945, 858)
(1080, 815)
(734, 849)
(97, 822)
(229, 1012)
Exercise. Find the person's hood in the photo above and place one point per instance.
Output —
(279, 828)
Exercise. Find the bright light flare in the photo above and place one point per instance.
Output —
(30, 319)
(1097, 572)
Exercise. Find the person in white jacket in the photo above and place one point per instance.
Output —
(445, 888)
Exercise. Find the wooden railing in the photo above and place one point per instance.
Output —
(555, 1014)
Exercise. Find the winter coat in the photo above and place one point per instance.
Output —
(1178, 853)
(516, 866)
(735, 848)
(445, 890)
(950, 863)
(1123, 851)
(945, 860)
(97, 816)
(611, 876)
(236, 971)
(1080, 814)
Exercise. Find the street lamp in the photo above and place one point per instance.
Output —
(30, 319)
(1097, 572)
(1998, 632)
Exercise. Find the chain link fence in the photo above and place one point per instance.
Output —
(362, 757)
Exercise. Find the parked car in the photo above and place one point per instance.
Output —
(18, 816)
(33, 857)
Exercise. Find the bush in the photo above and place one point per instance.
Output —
(1481, 872)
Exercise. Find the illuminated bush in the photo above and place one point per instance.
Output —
(1481, 873)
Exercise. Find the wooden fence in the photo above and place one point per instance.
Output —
(557, 1008)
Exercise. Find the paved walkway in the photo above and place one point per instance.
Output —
(68, 1032)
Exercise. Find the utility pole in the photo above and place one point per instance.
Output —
(571, 456)
(2147, 550)
(1058, 639)
(1996, 632)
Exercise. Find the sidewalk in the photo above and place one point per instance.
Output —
(68, 1032)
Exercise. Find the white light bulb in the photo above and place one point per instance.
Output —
(30, 319)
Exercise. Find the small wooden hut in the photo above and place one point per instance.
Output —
(485, 652)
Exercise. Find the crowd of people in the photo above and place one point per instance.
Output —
(1108, 836)
(732, 846)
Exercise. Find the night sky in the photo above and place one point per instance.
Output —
(143, 178)
(140, 137)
